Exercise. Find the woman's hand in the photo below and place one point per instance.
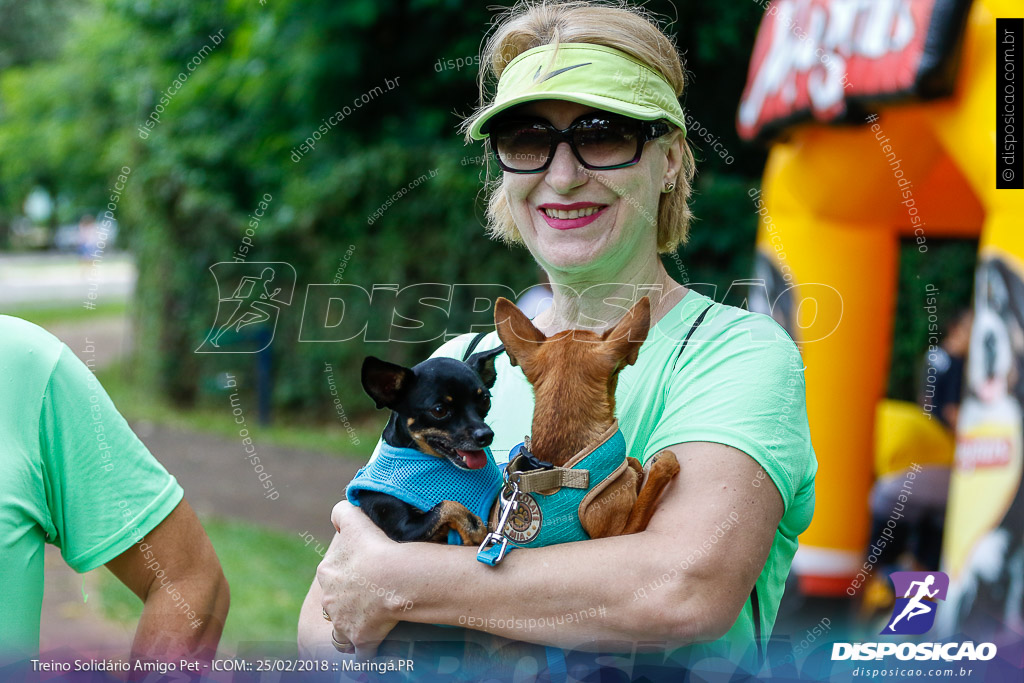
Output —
(353, 575)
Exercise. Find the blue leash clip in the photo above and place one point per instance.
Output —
(496, 543)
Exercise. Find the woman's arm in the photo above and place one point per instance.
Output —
(673, 582)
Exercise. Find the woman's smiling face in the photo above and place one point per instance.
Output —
(574, 219)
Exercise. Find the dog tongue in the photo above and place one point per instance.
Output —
(474, 459)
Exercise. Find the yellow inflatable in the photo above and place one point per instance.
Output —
(905, 436)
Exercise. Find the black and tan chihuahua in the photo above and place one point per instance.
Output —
(438, 409)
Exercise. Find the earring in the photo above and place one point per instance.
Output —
(669, 187)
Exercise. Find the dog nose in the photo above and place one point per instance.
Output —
(483, 437)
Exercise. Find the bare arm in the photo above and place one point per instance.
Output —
(951, 412)
(175, 571)
(674, 582)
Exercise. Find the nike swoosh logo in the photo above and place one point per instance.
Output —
(552, 74)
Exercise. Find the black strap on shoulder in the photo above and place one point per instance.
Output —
(755, 613)
(472, 345)
(696, 324)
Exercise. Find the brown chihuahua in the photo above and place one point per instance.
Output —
(574, 374)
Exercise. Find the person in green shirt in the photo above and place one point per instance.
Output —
(72, 473)
(587, 129)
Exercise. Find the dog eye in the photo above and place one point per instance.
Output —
(440, 411)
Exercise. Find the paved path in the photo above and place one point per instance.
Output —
(214, 471)
(218, 480)
(49, 278)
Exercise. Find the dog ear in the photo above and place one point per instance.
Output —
(483, 364)
(385, 382)
(623, 341)
(516, 331)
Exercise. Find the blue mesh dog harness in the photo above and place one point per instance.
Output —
(548, 503)
(424, 480)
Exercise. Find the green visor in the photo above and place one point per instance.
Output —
(594, 75)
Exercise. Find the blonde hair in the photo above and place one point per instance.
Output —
(631, 29)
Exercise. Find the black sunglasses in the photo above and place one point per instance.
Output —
(600, 142)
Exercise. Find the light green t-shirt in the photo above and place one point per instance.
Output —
(72, 473)
(739, 381)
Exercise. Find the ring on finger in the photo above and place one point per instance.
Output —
(347, 648)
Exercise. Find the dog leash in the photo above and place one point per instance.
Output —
(496, 544)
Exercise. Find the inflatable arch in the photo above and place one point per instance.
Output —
(882, 119)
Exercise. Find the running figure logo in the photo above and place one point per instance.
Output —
(914, 613)
(258, 290)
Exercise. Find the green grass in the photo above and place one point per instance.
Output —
(46, 315)
(269, 573)
(137, 403)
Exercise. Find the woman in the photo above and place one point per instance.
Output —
(596, 176)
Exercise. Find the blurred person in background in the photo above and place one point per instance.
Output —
(940, 397)
(914, 451)
(88, 238)
(73, 474)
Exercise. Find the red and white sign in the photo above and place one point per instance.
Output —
(972, 453)
(813, 57)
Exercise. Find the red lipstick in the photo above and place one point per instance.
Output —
(571, 223)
